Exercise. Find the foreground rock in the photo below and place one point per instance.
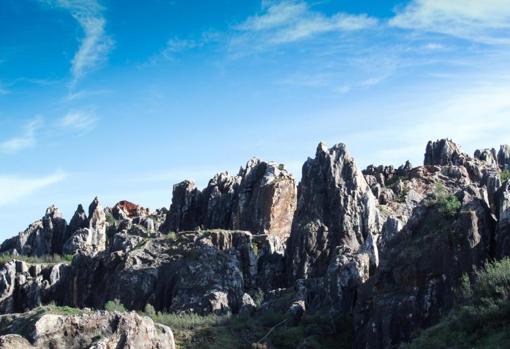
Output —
(100, 330)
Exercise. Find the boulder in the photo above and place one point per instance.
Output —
(87, 329)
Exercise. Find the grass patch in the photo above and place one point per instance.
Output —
(50, 259)
(115, 305)
(505, 175)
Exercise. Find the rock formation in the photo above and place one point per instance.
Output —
(260, 199)
(386, 245)
(89, 329)
(336, 227)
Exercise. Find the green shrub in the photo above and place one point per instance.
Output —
(448, 204)
(482, 320)
(172, 236)
(150, 311)
(49, 259)
(505, 175)
(114, 306)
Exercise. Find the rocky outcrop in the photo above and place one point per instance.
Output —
(260, 199)
(336, 209)
(43, 237)
(92, 239)
(444, 152)
(502, 200)
(201, 272)
(504, 157)
(488, 156)
(89, 329)
(420, 270)
(333, 244)
(24, 286)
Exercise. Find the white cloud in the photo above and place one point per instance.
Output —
(79, 121)
(291, 21)
(95, 45)
(14, 188)
(26, 140)
(486, 21)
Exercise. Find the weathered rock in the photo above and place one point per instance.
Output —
(260, 199)
(502, 201)
(266, 199)
(335, 208)
(421, 269)
(43, 237)
(185, 213)
(218, 200)
(89, 329)
(92, 239)
(25, 286)
(504, 157)
(488, 156)
(202, 272)
(79, 220)
(444, 152)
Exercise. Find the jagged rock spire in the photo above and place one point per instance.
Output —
(336, 210)
(444, 152)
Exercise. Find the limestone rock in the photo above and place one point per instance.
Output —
(335, 208)
(89, 329)
(25, 286)
(184, 211)
(260, 199)
(420, 270)
(504, 157)
(444, 152)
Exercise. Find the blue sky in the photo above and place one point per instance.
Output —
(122, 99)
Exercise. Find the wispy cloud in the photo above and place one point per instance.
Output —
(291, 21)
(78, 121)
(175, 46)
(3, 89)
(95, 44)
(25, 186)
(26, 140)
(486, 21)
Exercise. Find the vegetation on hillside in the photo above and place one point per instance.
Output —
(48, 259)
(448, 204)
(482, 320)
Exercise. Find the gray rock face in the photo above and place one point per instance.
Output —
(185, 213)
(420, 269)
(25, 286)
(202, 272)
(502, 200)
(444, 152)
(333, 244)
(488, 156)
(260, 199)
(335, 208)
(43, 237)
(89, 240)
(89, 329)
(504, 157)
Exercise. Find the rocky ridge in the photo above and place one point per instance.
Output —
(385, 246)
